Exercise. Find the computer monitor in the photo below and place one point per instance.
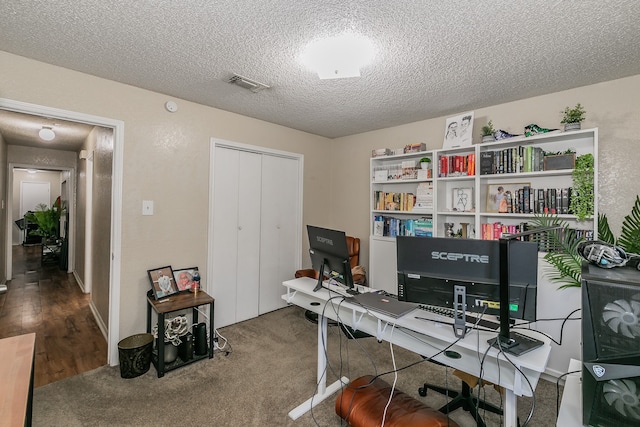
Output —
(330, 256)
(431, 269)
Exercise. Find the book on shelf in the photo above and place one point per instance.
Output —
(457, 165)
(424, 198)
(390, 226)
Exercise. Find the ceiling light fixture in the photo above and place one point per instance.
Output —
(46, 133)
(338, 57)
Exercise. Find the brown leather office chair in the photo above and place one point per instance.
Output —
(353, 245)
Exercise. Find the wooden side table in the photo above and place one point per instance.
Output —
(16, 376)
(176, 302)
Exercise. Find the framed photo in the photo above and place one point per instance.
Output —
(162, 282)
(184, 278)
(458, 131)
(462, 199)
(502, 197)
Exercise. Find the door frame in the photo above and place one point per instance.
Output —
(113, 329)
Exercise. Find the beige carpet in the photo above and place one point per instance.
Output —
(271, 369)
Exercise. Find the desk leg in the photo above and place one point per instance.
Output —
(510, 409)
(323, 391)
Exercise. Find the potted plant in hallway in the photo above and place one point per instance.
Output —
(47, 220)
(48, 223)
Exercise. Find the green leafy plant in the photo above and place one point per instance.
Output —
(582, 197)
(629, 239)
(47, 220)
(425, 160)
(562, 244)
(573, 115)
(561, 247)
(488, 130)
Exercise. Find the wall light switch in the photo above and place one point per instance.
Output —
(147, 207)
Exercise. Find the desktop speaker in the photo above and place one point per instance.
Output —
(200, 339)
(610, 350)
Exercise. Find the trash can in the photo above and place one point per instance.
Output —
(135, 355)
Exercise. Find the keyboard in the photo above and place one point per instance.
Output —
(469, 318)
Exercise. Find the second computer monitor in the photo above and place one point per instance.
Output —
(429, 268)
(330, 255)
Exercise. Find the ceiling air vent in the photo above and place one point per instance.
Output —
(246, 83)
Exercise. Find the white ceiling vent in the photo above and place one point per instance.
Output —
(246, 83)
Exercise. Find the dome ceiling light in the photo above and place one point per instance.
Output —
(338, 57)
(46, 133)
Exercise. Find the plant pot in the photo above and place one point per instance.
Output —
(560, 161)
(488, 138)
(572, 126)
(424, 165)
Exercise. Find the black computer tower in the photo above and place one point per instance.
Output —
(610, 346)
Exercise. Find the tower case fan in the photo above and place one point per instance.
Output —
(610, 346)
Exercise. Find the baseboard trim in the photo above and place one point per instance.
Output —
(79, 281)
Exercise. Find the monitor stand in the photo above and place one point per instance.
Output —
(517, 345)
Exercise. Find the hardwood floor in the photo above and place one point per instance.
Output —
(49, 302)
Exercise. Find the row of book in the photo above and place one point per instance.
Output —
(392, 227)
(390, 201)
(457, 165)
(493, 231)
(512, 160)
(529, 200)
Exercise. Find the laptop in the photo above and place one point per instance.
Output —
(383, 303)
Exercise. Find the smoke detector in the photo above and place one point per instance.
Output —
(247, 83)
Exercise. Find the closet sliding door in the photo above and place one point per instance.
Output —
(279, 228)
(255, 239)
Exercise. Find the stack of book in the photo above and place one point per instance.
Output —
(424, 198)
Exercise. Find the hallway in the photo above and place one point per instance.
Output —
(49, 302)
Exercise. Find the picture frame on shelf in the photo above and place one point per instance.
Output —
(458, 131)
(500, 196)
(184, 278)
(462, 199)
(162, 281)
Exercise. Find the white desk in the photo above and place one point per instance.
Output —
(570, 414)
(422, 337)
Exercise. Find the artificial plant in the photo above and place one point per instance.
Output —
(488, 130)
(629, 239)
(573, 115)
(47, 220)
(563, 244)
(582, 197)
(561, 247)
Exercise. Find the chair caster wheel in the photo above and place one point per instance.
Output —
(422, 391)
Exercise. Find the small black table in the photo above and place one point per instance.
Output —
(176, 302)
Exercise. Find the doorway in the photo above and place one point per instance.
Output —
(111, 292)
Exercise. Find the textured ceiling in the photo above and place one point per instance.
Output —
(433, 58)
